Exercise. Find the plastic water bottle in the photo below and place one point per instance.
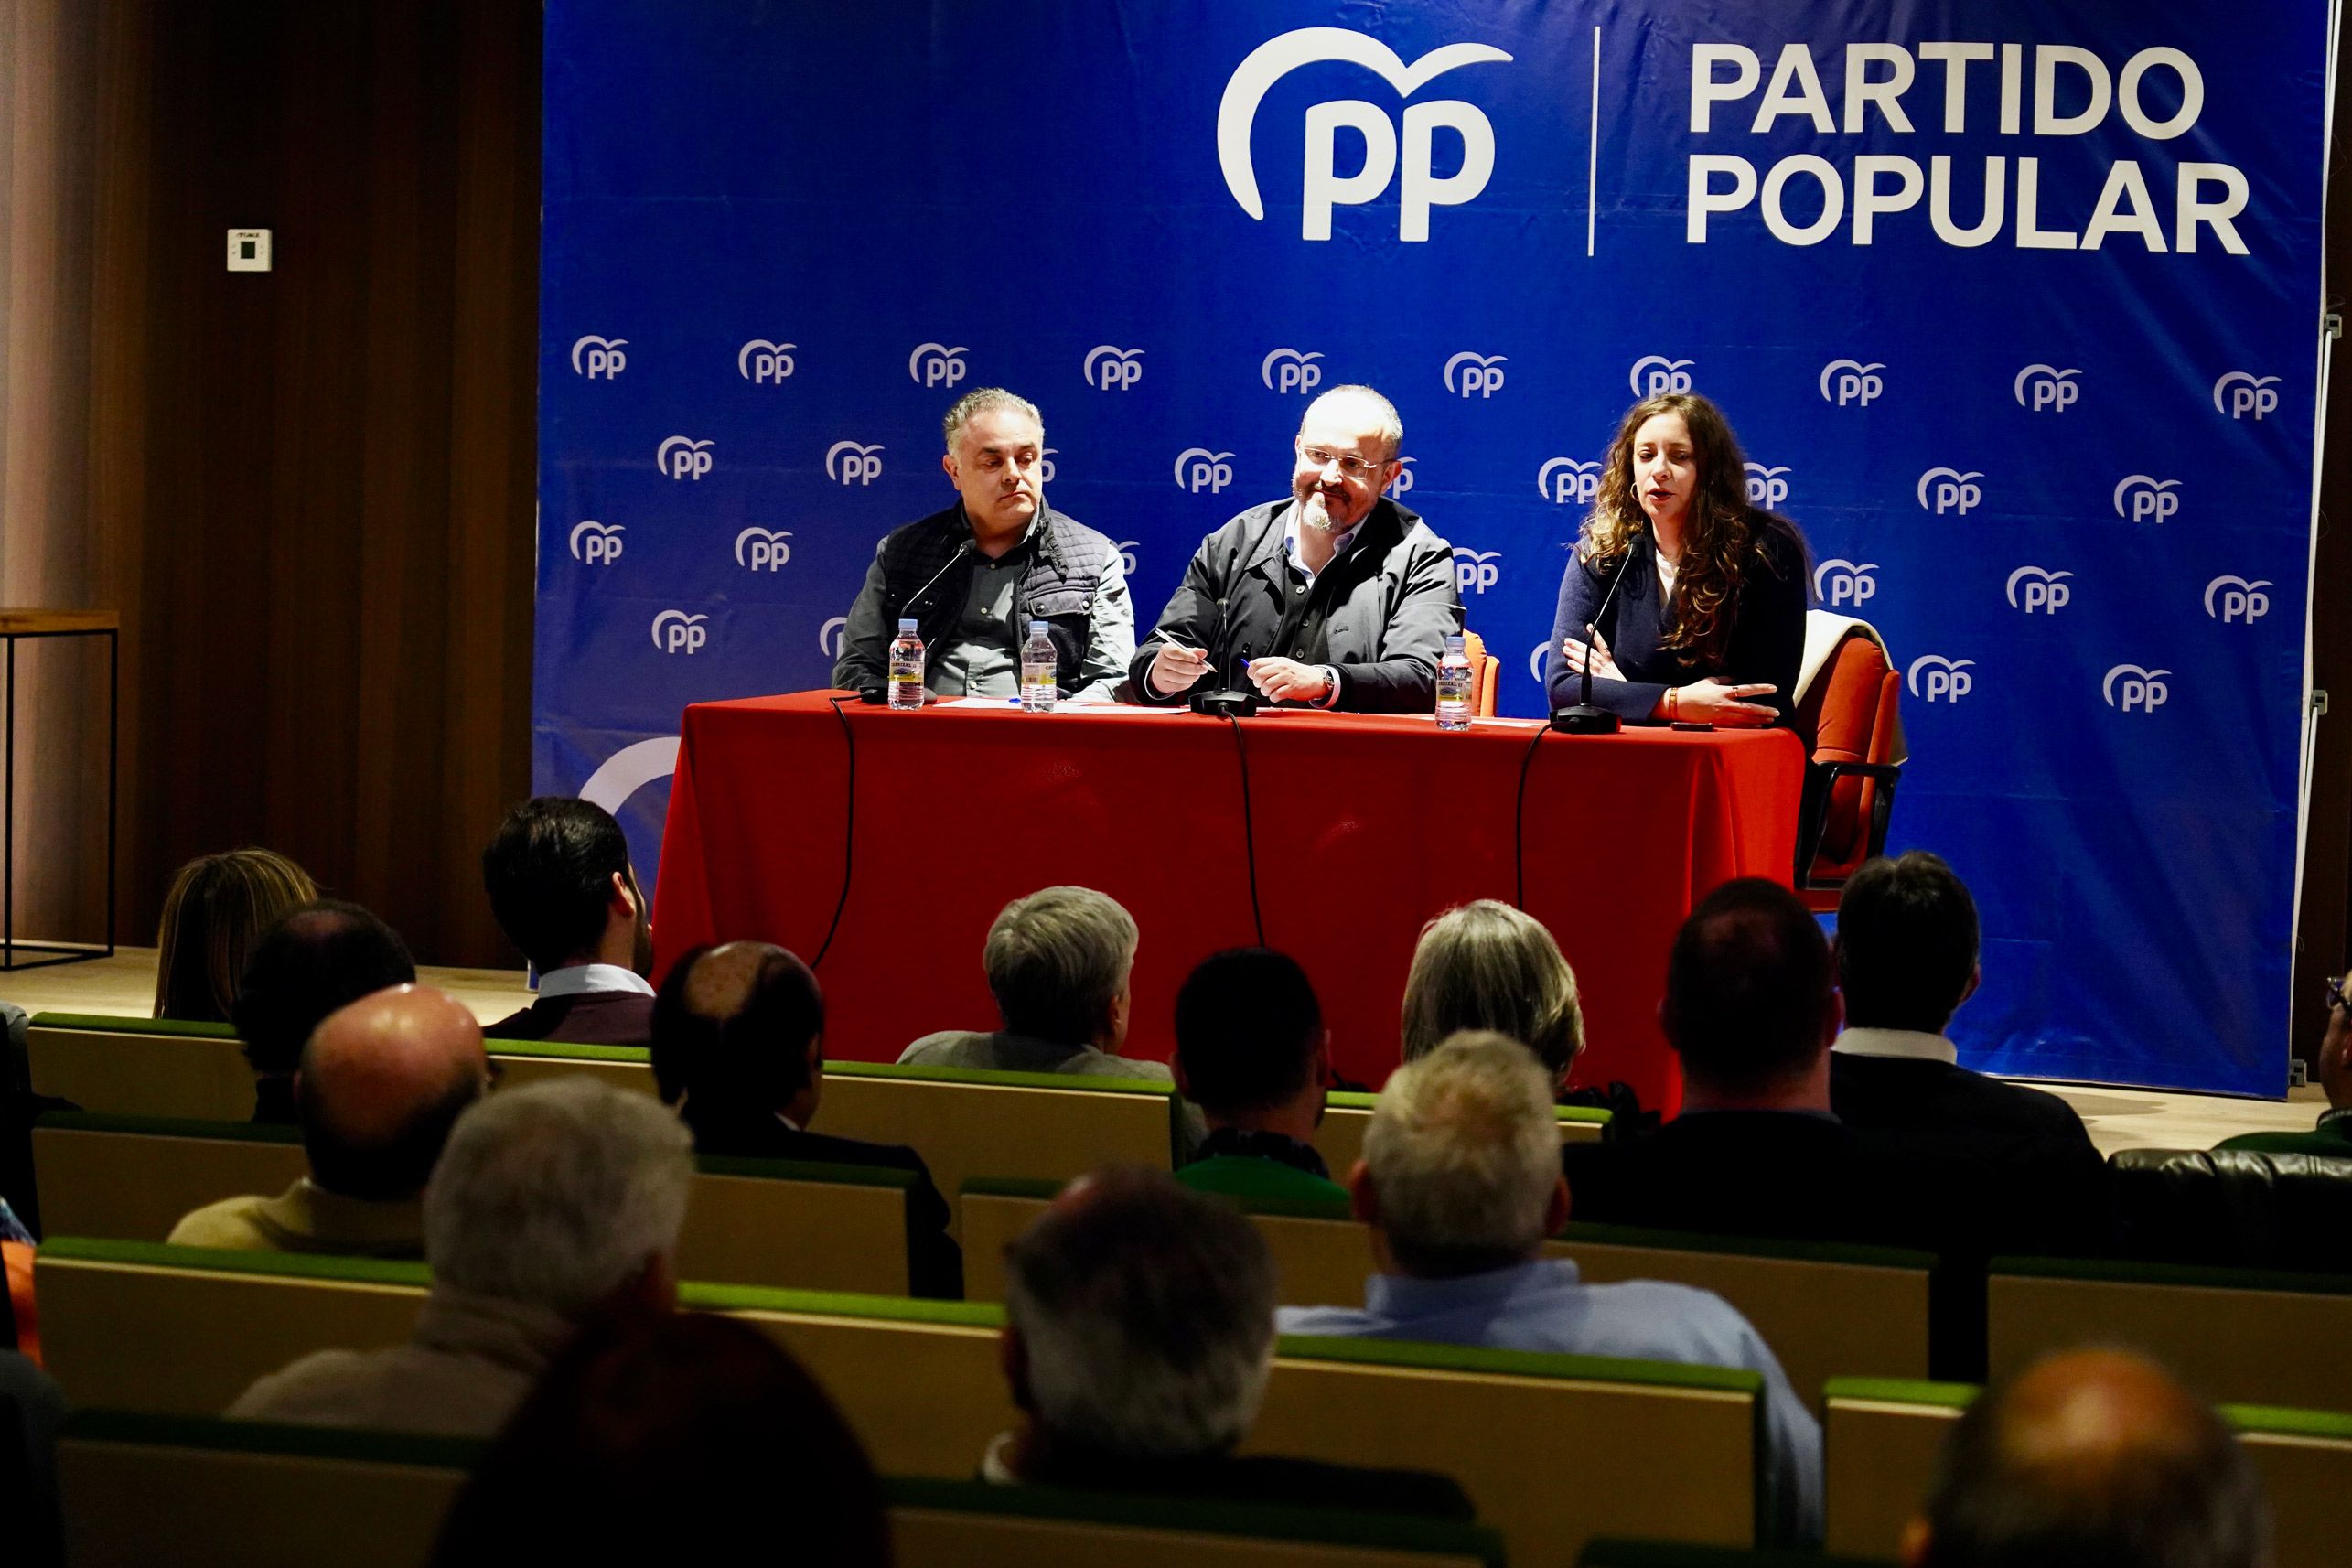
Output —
(1454, 682)
(1040, 670)
(906, 667)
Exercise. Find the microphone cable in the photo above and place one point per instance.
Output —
(849, 827)
(1249, 828)
(1519, 821)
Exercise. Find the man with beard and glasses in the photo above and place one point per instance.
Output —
(563, 890)
(1333, 597)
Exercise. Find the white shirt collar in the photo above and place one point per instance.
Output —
(576, 980)
(1912, 1045)
(1339, 542)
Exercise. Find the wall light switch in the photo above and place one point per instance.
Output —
(249, 250)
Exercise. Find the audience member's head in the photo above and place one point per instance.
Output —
(1906, 944)
(562, 888)
(217, 908)
(1461, 1167)
(1060, 962)
(1748, 1004)
(562, 1196)
(738, 1030)
(1250, 1042)
(318, 959)
(2092, 1459)
(1484, 965)
(381, 1083)
(672, 1438)
(1139, 1320)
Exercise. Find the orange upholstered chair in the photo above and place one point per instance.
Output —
(1848, 714)
(1486, 674)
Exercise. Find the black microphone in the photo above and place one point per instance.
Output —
(1584, 719)
(878, 692)
(1234, 700)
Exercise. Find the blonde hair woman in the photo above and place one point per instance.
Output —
(1488, 966)
(218, 908)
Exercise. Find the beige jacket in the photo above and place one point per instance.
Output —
(307, 1217)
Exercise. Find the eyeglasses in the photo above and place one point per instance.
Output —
(2336, 989)
(1353, 466)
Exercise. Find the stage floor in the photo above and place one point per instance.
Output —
(2118, 1118)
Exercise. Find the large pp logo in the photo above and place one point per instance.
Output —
(763, 363)
(1114, 369)
(684, 458)
(597, 543)
(2046, 389)
(2230, 600)
(1561, 480)
(829, 637)
(848, 462)
(1289, 371)
(1950, 490)
(1849, 582)
(1850, 381)
(1322, 188)
(2033, 588)
(1403, 481)
(936, 364)
(2143, 497)
(762, 549)
(599, 357)
(2242, 393)
(1654, 375)
(1197, 469)
(2128, 688)
(675, 631)
(1936, 678)
(1767, 488)
(1481, 375)
(1476, 571)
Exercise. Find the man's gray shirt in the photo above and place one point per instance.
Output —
(1005, 1052)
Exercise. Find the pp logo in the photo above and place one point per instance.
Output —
(1112, 369)
(2152, 500)
(1655, 373)
(760, 362)
(829, 636)
(848, 462)
(597, 543)
(1766, 486)
(2034, 588)
(1535, 658)
(1287, 370)
(2247, 394)
(936, 364)
(1045, 466)
(1481, 375)
(684, 458)
(2239, 600)
(761, 549)
(1934, 678)
(1324, 189)
(1854, 382)
(1565, 479)
(1950, 489)
(603, 357)
(2046, 387)
(1476, 571)
(1197, 469)
(675, 631)
(2127, 686)
(1403, 481)
(1127, 548)
(1837, 582)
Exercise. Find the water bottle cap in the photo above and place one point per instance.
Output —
(1037, 628)
(1454, 643)
(905, 625)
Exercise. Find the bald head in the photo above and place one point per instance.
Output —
(736, 1030)
(2097, 1458)
(381, 1083)
(1351, 411)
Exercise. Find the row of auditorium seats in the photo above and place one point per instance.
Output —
(1629, 1448)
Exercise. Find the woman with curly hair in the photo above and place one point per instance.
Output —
(1706, 623)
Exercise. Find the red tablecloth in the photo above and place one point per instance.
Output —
(902, 834)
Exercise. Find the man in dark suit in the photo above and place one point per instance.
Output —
(1906, 959)
(738, 1046)
(564, 891)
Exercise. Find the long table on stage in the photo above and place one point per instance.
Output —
(879, 846)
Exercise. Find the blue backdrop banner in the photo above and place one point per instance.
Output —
(2014, 305)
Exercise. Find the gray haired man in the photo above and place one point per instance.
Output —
(1460, 1183)
(551, 1201)
(1061, 965)
(973, 576)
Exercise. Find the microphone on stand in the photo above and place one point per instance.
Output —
(877, 692)
(1584, 719)
(1232, 700)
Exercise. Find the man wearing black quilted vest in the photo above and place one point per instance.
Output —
(973, 576)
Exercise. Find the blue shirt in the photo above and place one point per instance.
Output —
(1541, 1305)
